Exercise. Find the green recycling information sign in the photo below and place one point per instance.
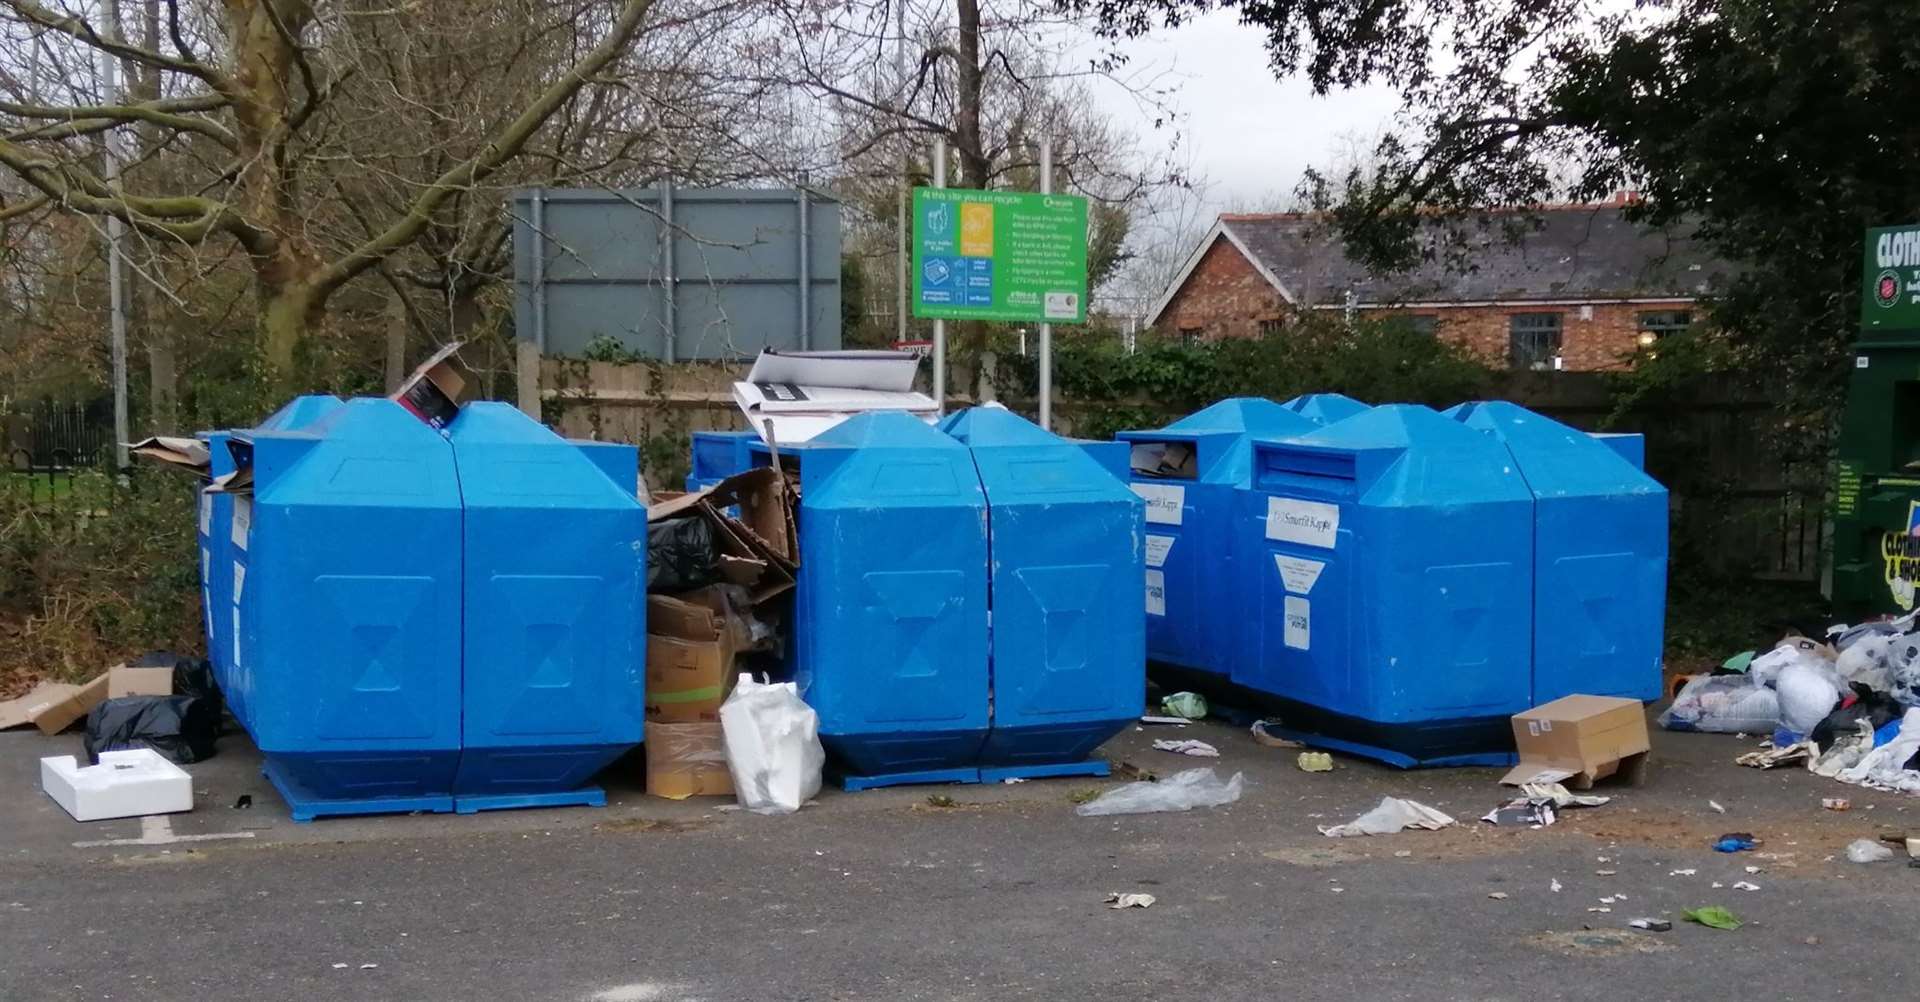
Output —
(999, 255)
(1892, 297)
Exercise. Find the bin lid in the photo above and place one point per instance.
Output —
(301, 411)
(1220, 433)
(1409, 454)
(1324, 408)
(1555, 460)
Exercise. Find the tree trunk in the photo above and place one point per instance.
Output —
(163, 389)
(288, 313)
(974, 164)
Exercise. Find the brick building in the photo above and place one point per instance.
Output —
(1557, 287)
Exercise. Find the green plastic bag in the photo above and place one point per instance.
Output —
(1714, 917)
(1190, 705)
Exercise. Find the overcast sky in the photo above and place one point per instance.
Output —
(1247, 133)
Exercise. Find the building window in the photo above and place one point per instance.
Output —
(1533, 340)
(1190, 336)
(1270, 328)
(1660, 323)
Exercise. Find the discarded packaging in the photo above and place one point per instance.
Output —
(1188, 705)
(1836, 803)
(1745, 885)
(1263, 734)
(1117, 900)
(1713, 917)
(1198, 749)
(1181, 791)
(1498, 895)
(1391, 815)
(1722, 704)
(1862, 850)
(1167, 721)
(186, 453)
(182, 728)
(126, 784)
(1735, 842)
(1651, 924)
(773, 746)
(1522, 811)
(756, 550)
(1315, 761)
(687, 760)
(1588, 737)
(797, 395)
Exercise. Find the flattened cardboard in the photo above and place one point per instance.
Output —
(1588, 737)
(687, 760)
(186, 453)
(21, 711)
(75, 706)
(125, 680)
(756, 550)
(240, 481)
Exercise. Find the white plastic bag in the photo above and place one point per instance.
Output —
(1866, 850)
(1392, 814)
(1865, 661)
(1182, 791)
(1808, 691)
(773, 746)
(1723, 704)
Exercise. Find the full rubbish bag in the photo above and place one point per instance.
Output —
(1723, 704)
(773, 746)
(1182, 791)
(680, 554)
(183, 728)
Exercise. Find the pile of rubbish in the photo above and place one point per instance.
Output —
(1848, 706)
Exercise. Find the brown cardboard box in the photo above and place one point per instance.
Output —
(21, 711)
(74, 706)
(757, 549)
(687, 680)
(123, 680)
(1590, 737)
(687, 760)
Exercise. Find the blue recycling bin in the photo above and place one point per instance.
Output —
(717, 455)
(1390, 598)
(1599, 555)
(1068, 664)
(215, 530)
(889, 640)
(1188, 473)
(1324, 408)
(553, 565)
(349, 586)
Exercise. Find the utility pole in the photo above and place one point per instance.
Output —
(116, 239)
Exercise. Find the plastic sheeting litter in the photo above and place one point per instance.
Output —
(1198, 749)
(1183, 791)
(1884, 768)
(1116, 900)
(1866, 850)
(1391, 815)
(1723, 704)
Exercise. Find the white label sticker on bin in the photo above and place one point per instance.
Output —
(1298, 573)
(1546, 727)
(206, 563)
(1156, 593)
(1164, 502)
(236, 638)
(1533, 728)
(1299, 623)
(239, 580)
(1157, 549)
(206, 514)
(1310, 523)
(242, 519)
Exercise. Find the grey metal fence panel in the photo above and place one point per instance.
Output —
(589, 263)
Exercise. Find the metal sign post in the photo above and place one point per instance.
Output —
(939, 325)
(1046, 329)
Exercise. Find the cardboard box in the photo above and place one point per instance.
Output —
(432, 393)
(687, 760)
(22, 710)
(129, 783)
(1583, 738)
(125, 680)
(61, 714)
(187, 453)
(790, 397)
(687, 680)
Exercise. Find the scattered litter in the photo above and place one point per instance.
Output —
(1836, 803)
(1188, 705)
(1182, 791)
(1314, 761)
(1601, 910)
(1745, 885)
(1863, 850)
(1338, 890)
(1681, 873)
(1769, 757)
(369, 967)
(1605, 873)
(1402, 853)
(1717, 809)
(1651, 924)
(1753, 869)
(339, 967)
(1554, 886)
(1010, 780)
(1713, 917)
(1735, 842)
(1522, 811)
(244, 801)
(1560, 795)
(1116, 900)
(1603, 859)
(1391, 815)
(1716, 885)
(1170, 721)
(1609, 899)
(1198, 749)
(1498, 895)
(131, 783)
(1263, 733)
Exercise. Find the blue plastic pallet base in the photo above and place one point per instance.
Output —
(305, 808)
(853, 784)
(590, 796)
(1090, 767)
(1394, 758)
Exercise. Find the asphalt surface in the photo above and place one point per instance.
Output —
(883, 895)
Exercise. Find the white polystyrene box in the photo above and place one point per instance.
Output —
(126, 784)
